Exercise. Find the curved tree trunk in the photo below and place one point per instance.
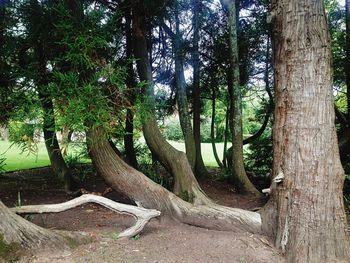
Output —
(148, 194)
(200, 169)
(238, 174)
(309, 223)
(15, 230)
(182, 102)
(173, 160)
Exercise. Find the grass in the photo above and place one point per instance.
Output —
(15, 160)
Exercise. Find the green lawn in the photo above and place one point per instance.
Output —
(17, 161)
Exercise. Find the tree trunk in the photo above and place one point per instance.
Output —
(20, 233)
(182, 103)
(309, 221)
(139, 188)
(131, 86)
(200, 169)
(212, 127)
(238, 174)
(347, 59)
(58, 164)
(173, 160)
(224, 155)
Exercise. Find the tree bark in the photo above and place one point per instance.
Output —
(131, 86)
(200, 169)
(347, 60)
(309, 222)
(238, 174)
(173, 160)
(139, 188)
(15, 230)
(185, 120)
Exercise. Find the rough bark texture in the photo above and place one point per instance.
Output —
(173, 160)
(139, 188)
(15, 229)
(200, 169)
(310, 223)
(238, 174)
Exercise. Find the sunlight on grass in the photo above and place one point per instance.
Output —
(15, 160)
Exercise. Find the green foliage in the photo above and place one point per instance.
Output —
(22, 134)
(259, 155)
(172, 130)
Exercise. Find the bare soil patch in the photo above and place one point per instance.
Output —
(161, 241)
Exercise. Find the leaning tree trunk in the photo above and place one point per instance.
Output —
(200, 169)
(173, 160)
(18, 232)
(238, 174)
(139, 188)
(310, 222)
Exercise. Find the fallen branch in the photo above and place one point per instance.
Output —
(142, 215)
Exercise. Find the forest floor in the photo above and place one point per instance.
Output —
(160, 241)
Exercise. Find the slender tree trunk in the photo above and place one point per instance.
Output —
(238, 174)
(226, 135)
(309, 221)
(131, 86)
(182, 102)
(212, 128)
(200, 169)
(347, 61)
(173, 160)
(57, 161)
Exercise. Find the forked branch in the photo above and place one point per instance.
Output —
(142, 215)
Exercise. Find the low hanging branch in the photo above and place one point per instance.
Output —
(142, 215)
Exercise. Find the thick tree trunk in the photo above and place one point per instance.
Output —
(310, 223)
(212, 128)
(200, 169)
(131, 86)
(14, 230)
(148, 194)
(185, 120)
(173, 160)
(238, 174)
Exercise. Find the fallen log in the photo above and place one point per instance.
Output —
(142, 215)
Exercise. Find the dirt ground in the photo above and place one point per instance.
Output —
(160, 241)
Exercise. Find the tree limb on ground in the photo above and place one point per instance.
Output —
(142, 215)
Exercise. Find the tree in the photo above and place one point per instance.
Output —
(200, 169)
(238, 174)
(308, 218)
